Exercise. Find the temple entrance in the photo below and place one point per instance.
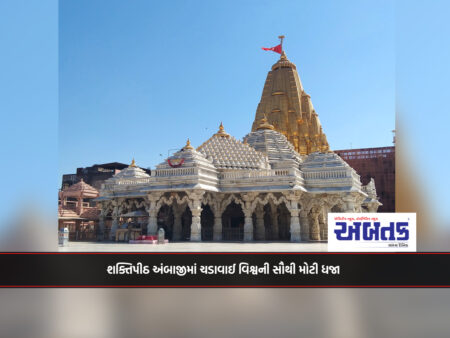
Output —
(268, 226)
(186, 221)
(233, 223)
(207, 222)
(284, 223)
(165, 220)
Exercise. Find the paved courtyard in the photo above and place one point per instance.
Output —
(195, 247)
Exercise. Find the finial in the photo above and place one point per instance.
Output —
(188, 145)
(264, 124)
(133, 163)
(221, 131)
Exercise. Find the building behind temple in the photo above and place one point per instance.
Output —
(379, 164)
(94, 175)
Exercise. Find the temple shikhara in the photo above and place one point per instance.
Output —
(276, 184)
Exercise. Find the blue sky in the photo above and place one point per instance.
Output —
(138, 78)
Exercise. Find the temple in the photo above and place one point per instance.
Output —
(277, 184)
(77, 210)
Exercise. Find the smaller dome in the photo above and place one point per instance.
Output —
(132, 171)
(274, 144)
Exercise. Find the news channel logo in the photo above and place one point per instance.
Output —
(372, 232)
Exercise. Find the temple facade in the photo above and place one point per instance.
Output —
(278, 183)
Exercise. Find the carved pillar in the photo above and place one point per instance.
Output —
(218, 210)
(350, 204)
(196, 209)
(152, 226)
(260, 231)
(196, 227)
(322, 225)
(315, 228)
(295, 222)
(304, 225)
(274, 219)
(248, 225)
(115, 222)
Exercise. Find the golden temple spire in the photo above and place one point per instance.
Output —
(188, 145)
(221, 131)
(133, 163)
(286, 107)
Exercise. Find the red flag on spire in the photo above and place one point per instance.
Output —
(276, 49)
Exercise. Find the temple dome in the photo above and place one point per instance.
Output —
(329, 172)
(279, 150)
(186, 157)
(132, 171)
(228, 153)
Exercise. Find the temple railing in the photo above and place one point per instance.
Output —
(326, 174)
(174, 172)
(255, 173)
(127, 182)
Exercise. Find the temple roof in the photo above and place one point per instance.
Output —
(80, 189)
(329, 172)
(228, 153)
(185, 158)
(273, 144)
(132, 171)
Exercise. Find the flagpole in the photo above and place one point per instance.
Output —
(281, 37)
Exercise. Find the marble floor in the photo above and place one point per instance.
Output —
(195, 247)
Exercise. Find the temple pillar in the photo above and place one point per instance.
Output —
(217, 230)
(260, 230)
(322, 225)
(152, 226)
(196, 226)
(295, 226)
(248, 226)
(196, 210)
(248, 223)
(350, 204)
(304, 225)
(295, 221)
(315, 228)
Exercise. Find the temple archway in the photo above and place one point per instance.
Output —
(284, 222)
(186, 221)
(165, 220)
(233, 223)
(268, 226)
(207, 222)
